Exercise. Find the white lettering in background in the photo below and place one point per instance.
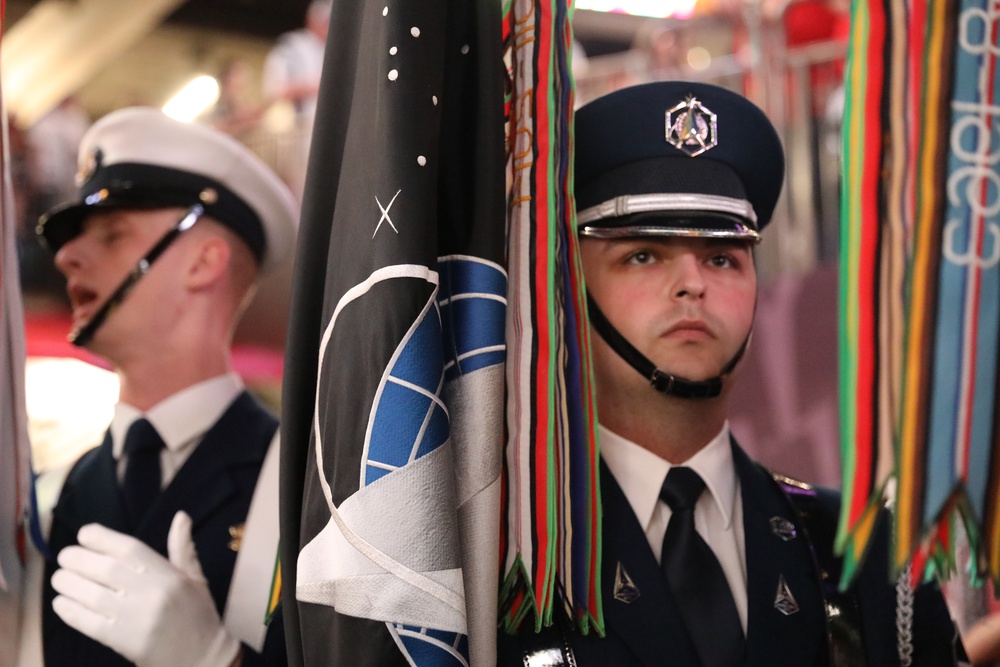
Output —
(973, 190)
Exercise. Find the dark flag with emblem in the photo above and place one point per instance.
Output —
(392, 426)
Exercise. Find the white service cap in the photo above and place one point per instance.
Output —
(141, 158)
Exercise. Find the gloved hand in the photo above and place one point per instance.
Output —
(157, 613)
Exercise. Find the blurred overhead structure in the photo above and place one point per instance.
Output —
(114, 53)
(59, 45)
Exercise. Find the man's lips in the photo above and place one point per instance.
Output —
(81, 298)
(688, 328)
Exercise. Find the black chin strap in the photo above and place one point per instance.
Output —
(80, 337)
(662, 382)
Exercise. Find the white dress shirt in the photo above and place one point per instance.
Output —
(718, 515)
(181, 420)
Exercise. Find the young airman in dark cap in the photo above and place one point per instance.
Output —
(708, 559)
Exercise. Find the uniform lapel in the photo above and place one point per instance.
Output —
(785, 608)
(98, 499)
(649, 625)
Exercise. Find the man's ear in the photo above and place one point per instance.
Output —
(210, 262)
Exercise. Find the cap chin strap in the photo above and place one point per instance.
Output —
(665, 383)
(80, 337)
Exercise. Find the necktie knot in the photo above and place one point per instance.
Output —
(142, 436)
(682, 488)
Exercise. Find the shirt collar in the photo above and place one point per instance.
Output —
(640, 473)
(180, 418)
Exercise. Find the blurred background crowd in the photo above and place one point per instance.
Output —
(257, 78)
(251, 68)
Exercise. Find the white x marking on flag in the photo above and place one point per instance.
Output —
(385, 214)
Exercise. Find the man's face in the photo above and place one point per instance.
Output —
(685, 303)
(97, 260)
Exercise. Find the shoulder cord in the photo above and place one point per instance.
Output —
(904, 618)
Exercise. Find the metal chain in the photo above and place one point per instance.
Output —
(904, 618)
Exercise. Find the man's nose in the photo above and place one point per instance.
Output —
(70, 256)
(688, 278)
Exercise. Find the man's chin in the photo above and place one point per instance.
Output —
(92, 341)
(692, 372)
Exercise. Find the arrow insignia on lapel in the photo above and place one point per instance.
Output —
(625, 589)
(784, 601)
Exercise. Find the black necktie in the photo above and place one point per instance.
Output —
(141, 485)
(696, 579)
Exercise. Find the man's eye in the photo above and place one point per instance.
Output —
(111, 234)
(639, 257)
(723, 261)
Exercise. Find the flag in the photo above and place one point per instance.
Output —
(15, 467)
(866, 447)
(552, 494)
(920, 271)
(392, 419)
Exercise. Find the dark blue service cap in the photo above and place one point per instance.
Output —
(675, 158)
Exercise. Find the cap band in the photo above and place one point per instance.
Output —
(142, 186)
(166, 185)
(740, 232)
(625, 205)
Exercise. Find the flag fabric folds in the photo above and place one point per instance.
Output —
(392, 420)
(920, 273)
(552, 498)
(15, 466)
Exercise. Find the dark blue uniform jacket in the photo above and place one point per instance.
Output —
(648, 630)
(214, 486)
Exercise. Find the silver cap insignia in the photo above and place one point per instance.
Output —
(88, 166)
(691, 127)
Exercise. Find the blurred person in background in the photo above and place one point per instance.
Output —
(51, 171)
(662, 48)
(291, 83)
(237, 111)
(54, 139)
(20, 173)
(982, 641)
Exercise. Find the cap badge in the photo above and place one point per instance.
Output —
(209, 196)
(691, 127)
(89, 166)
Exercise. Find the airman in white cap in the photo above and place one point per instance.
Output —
(161, 251)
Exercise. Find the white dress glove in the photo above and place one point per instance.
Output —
(157, 613)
